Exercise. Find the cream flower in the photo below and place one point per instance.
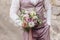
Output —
(31, 24)
(35, 17)
(33, 13)
(26, 12)
(21, 23)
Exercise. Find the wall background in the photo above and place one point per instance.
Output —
(9, 31)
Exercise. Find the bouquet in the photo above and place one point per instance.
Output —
(29, 19)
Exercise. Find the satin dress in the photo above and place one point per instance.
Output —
(39, 32)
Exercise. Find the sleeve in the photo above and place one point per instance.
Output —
(48, 11)
(14, 10)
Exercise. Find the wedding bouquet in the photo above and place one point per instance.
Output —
(29, 20)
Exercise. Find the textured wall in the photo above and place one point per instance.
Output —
(55, 28)
(10, 32)
(7, 30)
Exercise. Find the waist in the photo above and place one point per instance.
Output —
(40, 26)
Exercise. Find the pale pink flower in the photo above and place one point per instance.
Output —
(26, 17)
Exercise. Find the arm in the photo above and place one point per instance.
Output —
(14, 10)
(48, 8)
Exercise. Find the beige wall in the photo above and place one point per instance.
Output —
(55, 2)
(7, 30)
(10, 32)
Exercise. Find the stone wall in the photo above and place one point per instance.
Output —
(9, 31)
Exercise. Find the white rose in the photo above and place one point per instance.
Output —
(31, 24)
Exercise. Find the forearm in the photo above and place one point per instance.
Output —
(48, 8)
(49, 17)
(14, 10)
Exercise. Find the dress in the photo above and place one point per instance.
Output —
(39, 32)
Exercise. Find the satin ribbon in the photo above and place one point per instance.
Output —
(30, 34)
(27, 35)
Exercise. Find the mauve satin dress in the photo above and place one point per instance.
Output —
(39, 32)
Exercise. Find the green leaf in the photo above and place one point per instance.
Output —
(23, 11)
